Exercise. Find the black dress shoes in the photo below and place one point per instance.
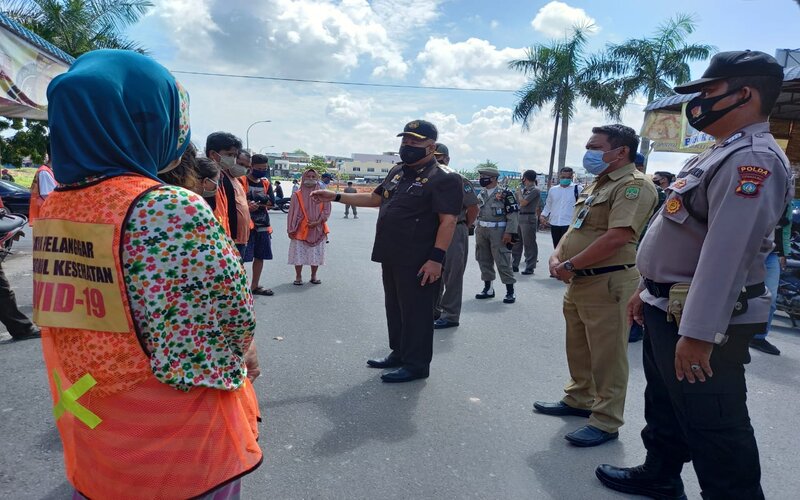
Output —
(387, 362)
(589, 435)
(33, 333)
(485, 294)
(527, 271)
(560, 409)
(510, 298)
(444, 323)
(403, 375)
(515, 269)
(765, 346)
(641, 481)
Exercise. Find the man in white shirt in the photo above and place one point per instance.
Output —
(560, 204)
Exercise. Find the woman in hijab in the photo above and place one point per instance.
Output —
(306, 224)
(149, 349)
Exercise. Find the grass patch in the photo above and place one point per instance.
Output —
(23, 176)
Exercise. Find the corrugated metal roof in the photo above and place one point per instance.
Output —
(678, 99)
(34, 39)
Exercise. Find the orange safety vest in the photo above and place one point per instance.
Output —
(124, 433)
(221, 210)
(36, 199)
(302, 229)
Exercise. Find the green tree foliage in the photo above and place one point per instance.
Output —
(319, 164)
(79, 26)
(562, 74)
(30, 140)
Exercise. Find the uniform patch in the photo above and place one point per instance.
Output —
(678, 184)
(750, 180)
(673, 205)
(467, 188)
(632, 192)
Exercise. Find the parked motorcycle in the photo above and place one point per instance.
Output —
(11, 227)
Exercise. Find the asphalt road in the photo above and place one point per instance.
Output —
(333, 430)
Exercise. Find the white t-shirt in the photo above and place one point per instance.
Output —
(46, 183)
(560, 205)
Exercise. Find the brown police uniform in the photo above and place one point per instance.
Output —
(595, 301)
(714, 231)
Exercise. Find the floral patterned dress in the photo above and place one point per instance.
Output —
(188, 291)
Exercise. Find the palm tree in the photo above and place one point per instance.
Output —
(79, 26)
(653, 66)
(560, 73)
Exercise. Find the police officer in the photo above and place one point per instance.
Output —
(712, 234)
(529, 198)
(596, 257)
(498, 222)
(449, 305)
(419, 207)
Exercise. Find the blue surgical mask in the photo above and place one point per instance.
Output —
(593, 161)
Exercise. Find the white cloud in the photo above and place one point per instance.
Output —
(299, 38)
(556, 19)
(474, 63)
(346, 109)
(494, 24)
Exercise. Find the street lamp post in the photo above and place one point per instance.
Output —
(247, 134)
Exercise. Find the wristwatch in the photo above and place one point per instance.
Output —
(569, 267)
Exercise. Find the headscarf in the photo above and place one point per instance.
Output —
(314, 211)
(116, 112)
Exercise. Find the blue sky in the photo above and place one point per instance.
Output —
(461, 43)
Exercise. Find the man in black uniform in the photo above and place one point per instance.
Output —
(419, 205)
(702, 296)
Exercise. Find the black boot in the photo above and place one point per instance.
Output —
(488, 291)
(510, 297)
(654, 479)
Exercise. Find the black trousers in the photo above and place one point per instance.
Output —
(705, 422)
(557, 232)
(409, 315)
(17, 323)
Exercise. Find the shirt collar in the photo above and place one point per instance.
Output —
(622, 172)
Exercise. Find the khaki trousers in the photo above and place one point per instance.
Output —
(490, 251)
(597, 345)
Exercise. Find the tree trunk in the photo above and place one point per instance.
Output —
(553, 150)
(644, 146)
(562, 145)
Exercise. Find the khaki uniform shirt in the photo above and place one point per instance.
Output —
(623, 198)
(534, 197)
(715, 230)
(492, 208)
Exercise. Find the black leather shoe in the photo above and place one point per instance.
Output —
(34, 333)
(589, 435)
(402, 375)
(515, 269)
(764, 345)
(443, 323)
(527, 271)
(387, 362)
(640, 481)
(560, 409)
(510, 298)
(485, 294)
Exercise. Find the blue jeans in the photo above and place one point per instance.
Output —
(771, 280)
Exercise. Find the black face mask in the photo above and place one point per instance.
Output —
(485, 181)
(412, 154)
(700, 114)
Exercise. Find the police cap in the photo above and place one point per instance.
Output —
(441, 150)
(489, 172)
(420, 129)
(734, 64)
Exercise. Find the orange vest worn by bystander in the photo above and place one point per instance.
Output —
(302, 229)
(36, 199)
(221, 210)
(125, 434)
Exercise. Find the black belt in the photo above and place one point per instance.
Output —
(661, 290)
(602, 270)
